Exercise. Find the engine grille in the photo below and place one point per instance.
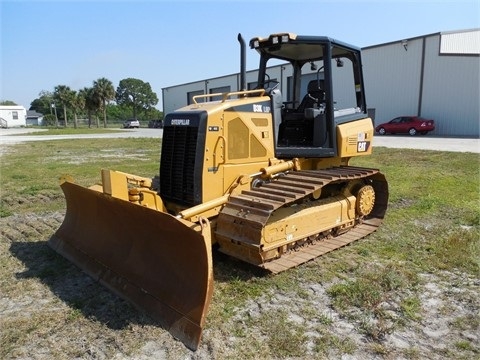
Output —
(177, 165)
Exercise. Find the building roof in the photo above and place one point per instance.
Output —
(11, 107)
(33, 113)
(458, 42)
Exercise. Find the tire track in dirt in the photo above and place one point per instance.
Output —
(29, 227)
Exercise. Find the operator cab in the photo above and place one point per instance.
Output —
(324, 89)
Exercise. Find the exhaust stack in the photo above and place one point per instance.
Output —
(243, 61)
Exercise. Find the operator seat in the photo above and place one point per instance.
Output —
(297, 127)
(315, 95)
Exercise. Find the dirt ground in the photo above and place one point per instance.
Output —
(50, 309)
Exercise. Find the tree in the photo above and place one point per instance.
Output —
(7, 102)
(154, 114)
(136, 94)
(92, 103)
(118, 112)
(77, 104)
(105, 92)
(64, 96)
(43, 104)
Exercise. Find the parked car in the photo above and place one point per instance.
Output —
(407, 125)
(155, 124)
(132, 123)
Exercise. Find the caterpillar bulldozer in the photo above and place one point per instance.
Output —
(250, 173)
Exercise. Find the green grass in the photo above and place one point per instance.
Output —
(43, 163)
(374, 284)
(432, 226)
(433, 217)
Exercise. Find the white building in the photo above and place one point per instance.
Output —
(435, 76)
(12, 116)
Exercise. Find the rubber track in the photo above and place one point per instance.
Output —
(255, 206)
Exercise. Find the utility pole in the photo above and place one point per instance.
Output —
(56, 117)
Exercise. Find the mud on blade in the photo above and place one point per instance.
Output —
(157, 262)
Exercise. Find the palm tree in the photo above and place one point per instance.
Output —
(92, 102)
(106, 92)
(78, 103)
(64, 95)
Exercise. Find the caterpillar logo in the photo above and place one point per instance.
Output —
(363, 146)
(181, 122)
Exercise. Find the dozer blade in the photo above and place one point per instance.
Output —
(159, 263)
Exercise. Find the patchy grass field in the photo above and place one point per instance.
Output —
(410, 290)
(73, 131)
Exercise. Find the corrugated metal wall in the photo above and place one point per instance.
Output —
(413, 77)
(392, 78)
(451, 91)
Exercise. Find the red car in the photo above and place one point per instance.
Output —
(406, 124)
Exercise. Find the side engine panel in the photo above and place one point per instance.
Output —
(355, 138)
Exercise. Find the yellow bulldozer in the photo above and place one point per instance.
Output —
(262, 177)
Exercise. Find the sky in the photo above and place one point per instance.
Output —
(165, 43)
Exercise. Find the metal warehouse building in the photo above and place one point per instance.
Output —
(435, 76)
